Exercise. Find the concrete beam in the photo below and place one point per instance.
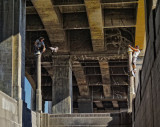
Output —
(100, 57)
(31, 81)
(140, 25)
(105, 78)
(85, 105)
(104, 67)
(107, 90)
(52, 21)
(31, 10)
(94, 10)
(119, 26)
(81, 79)
(115, 104)
(72, 9)
(99, 104)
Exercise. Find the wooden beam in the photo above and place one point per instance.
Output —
(140, 25)
(94, 12)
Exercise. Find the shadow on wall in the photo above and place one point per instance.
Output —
(27, 116)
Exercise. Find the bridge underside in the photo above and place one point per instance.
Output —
(95, 34)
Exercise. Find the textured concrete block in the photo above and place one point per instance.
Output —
(90, 119)
(82, 104)
(8, 111)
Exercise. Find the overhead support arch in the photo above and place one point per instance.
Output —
(105, 78)
(81, 79)
(94, 12)
(52, 21)
(31, 80)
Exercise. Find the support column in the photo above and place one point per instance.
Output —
(62, 85)
(85, 105)
(38, 90)
(12, 47)
(131, 92)
(50, 107)
(33, 99)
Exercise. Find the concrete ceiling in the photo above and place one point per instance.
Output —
(96, 34)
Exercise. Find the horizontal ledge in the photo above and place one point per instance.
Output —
(105, 27)
(130, 2)
(81, 28)
(67, 5)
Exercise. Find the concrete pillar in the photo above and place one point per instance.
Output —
(38, 90)
(33, 100)
(131, 91)
(85, 106)
(50, 107)
(138, 68)
(12, 47)
(62, 85)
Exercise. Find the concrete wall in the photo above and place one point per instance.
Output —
(6, 23)
(8, 111)
(86, 120)
(15, 113)
(146, 104)
(12, 47)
